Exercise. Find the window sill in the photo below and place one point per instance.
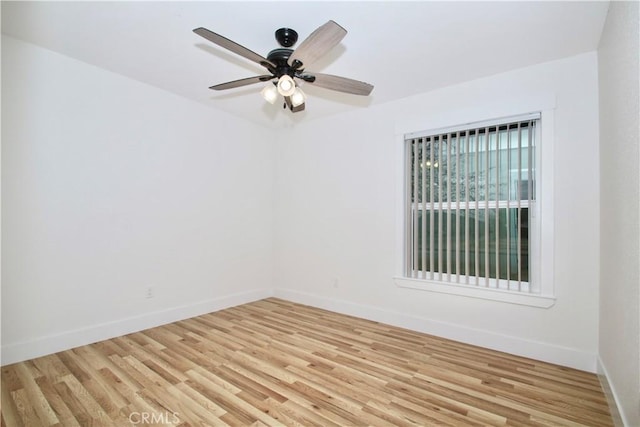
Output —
(511, 297)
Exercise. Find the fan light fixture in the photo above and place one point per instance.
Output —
(286, 85)
(270, 93)
(298, 97)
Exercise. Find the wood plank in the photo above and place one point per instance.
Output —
(9, 411)
(61, 409)
(37, 400)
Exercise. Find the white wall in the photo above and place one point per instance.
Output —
(110, 186)
(619, 347)
(336, 215)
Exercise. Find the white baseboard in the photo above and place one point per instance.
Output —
(17, 352)
(610, 393)
(509, 344)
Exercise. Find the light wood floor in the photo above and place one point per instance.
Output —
(274, 362)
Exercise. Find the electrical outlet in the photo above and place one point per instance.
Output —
(149, 293)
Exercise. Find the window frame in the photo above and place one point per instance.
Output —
(541, 258)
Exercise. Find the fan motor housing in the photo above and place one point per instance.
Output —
(279, 58)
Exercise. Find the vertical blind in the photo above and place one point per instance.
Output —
(469, 194)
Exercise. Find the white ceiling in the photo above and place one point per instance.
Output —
(402, 48)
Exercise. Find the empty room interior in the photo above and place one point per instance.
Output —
(320, 213)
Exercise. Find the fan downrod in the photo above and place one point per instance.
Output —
(286, 37)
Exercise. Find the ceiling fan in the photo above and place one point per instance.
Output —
(288, 66)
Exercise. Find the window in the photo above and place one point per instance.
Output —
(470, 196)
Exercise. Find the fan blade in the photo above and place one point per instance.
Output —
(317, 44)
(242, 82)
(341, 84)
(233, 47)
